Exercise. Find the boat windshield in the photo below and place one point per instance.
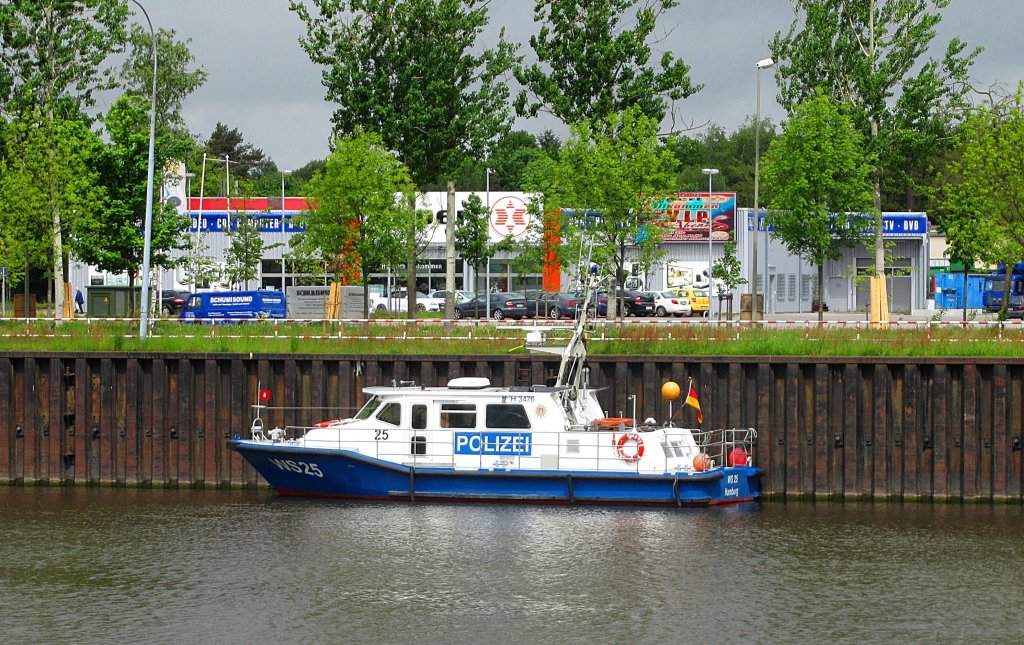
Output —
(368, 409)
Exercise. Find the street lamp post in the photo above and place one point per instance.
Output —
(710, 172)
(148, 235)
(487, 277)
(761, 64)
(284, 267)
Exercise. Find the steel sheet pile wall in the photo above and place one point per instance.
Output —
(865, 428)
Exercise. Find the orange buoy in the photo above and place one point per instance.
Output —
(702, 462)
(670, 390)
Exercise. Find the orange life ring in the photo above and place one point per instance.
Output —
(325, 424)
(632, 436)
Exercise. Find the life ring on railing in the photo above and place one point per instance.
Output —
(621, 444)
(326, 424)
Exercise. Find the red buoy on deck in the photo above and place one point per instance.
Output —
(738, 456)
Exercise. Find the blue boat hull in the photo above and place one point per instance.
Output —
(293, 470)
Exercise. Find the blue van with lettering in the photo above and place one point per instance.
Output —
(233, 306)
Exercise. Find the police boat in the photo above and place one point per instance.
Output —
(473, 441)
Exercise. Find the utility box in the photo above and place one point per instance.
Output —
(110, 301)
(19, 305)
(745, 306)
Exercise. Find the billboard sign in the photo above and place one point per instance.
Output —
(685, 216)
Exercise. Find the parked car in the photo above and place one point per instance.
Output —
(172, 301)
(1015, 307)
(399, 301)
(667, 303)
(631, 303)
(554, 305)
(459, 296)
(699, 303)
(502, 305)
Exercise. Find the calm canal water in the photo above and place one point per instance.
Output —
(156, 566)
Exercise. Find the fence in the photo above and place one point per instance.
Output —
(873, 428)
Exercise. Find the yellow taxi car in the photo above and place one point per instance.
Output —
(698, 299)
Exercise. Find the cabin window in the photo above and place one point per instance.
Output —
(507, 416)
(391, 413)
(419, 445)
(369, 408)
(419, 417)
(458, 415)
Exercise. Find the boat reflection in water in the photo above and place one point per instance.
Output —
(545, 444)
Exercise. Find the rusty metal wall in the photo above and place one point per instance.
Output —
(869, 428)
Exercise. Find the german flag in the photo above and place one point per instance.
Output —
(694, 402)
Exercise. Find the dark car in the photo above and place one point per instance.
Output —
(172, 301)
(1015, 307)
(502, 305)
(631, 303)
(554, 305)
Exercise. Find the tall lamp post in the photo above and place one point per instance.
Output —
(487, 277)
(710, 172)
(284, 267)
(148, 235)
(761, 64)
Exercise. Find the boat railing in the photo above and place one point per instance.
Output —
(602, 450)
(727, 446)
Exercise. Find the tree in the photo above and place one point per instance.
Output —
(591, 65)
(200, 269)
(48, 169)
(728, 270)
(359, 210)
(228, 142)
(982, 197)
(245, 249)
(868, 54)
(50, 57)
(818, 186)
(112, 239)
(406, 69)
(176, 80)
(611, 169)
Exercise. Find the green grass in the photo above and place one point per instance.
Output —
(433, 336)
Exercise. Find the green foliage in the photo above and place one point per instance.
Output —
(112, 239)
(727, 269)
(871, 55)
(200, 269)
(407, 70)
(817, 182)
(176, 79)
(47, 184)
(982, 195)
(228, 143)
(245, 250)
(732, 154)
(611, 168)
(471, 236)
(51, 52)
(592, 65)
(360, 209)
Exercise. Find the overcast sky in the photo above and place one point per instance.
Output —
(261, 82)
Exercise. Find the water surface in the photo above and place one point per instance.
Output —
(161, 566)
